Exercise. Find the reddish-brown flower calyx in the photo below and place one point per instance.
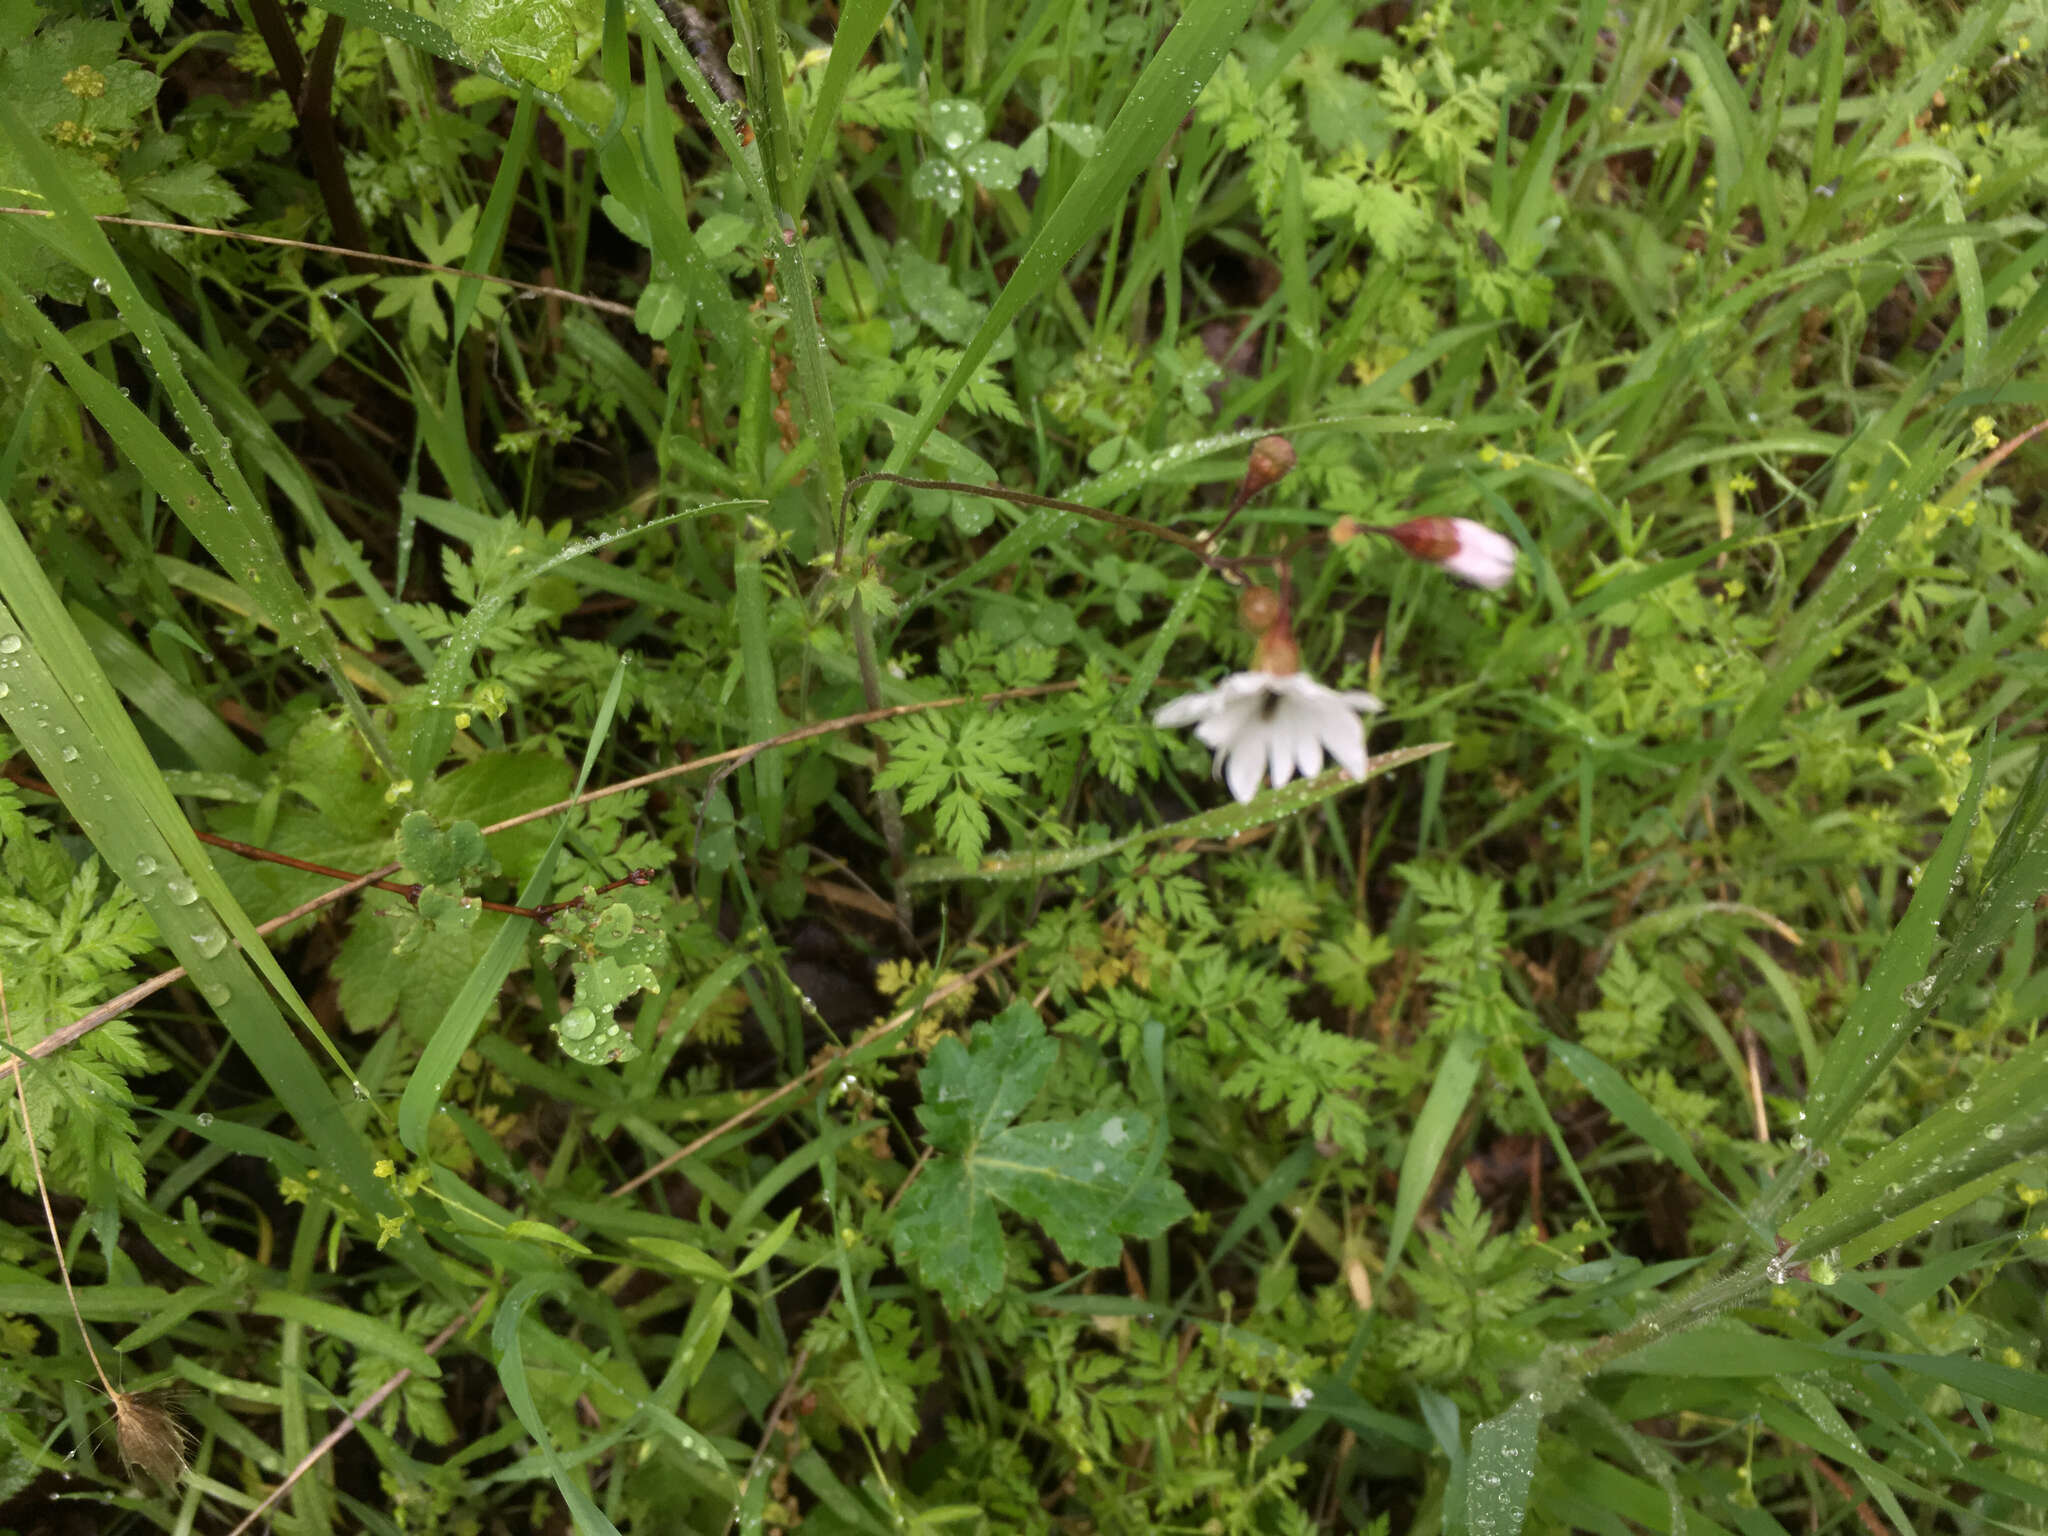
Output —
(1277, 655)
(1426, 538)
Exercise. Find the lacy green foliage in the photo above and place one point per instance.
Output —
(419, 296)
(1088, 1181)
(17, 1460)
(68, 935)
(1318, 1080)
(1463, 927)
(1472, 1288)
(1346, 965)
(420, 1406)
(1634, 1004)
(874, 1379)
(1094, 1387)
(1277, 915)
(964, 765)
(875, 98)
(1370, 158)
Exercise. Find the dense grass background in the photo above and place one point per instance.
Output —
(1623, 1112)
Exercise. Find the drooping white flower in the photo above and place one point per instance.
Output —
(1274, 725)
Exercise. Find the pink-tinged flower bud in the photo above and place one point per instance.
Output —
(1466, 549)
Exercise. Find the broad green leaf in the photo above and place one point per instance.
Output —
(1084, 1180)
(359, 1328)
(541, 1232)
(859, 20)
(507, 1344)
(1499, 1470)
(1723, 1348)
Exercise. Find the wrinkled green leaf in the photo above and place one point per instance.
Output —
(1086, 1180)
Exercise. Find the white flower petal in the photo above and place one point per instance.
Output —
(1242, 685)
(1308, 751)
(1484, 558)
(1346, 745)
(1287, 733)
(1243, 762)
(1186, 709)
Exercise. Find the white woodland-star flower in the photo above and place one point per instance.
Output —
(1275, 724)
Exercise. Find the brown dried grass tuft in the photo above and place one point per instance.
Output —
(150, 1435)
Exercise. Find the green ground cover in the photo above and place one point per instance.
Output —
(480, 1087)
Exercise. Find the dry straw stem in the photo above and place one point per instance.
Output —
(114, 1007)
(354, 1417)
(533, 290)
(146, 1431)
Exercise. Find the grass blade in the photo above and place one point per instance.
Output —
(1456, 1076)
(1162, 98)
(1897, 993)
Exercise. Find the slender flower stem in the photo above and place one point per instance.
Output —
(1201, 546)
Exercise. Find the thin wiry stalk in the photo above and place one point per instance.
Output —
(348, 253)
(145, 1430)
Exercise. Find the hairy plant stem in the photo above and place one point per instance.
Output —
(1674, 1316)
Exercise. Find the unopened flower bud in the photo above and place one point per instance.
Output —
(1344, 530)
(1258, 607)
(1272, 458)
(1466, 549)
(1426, 538)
